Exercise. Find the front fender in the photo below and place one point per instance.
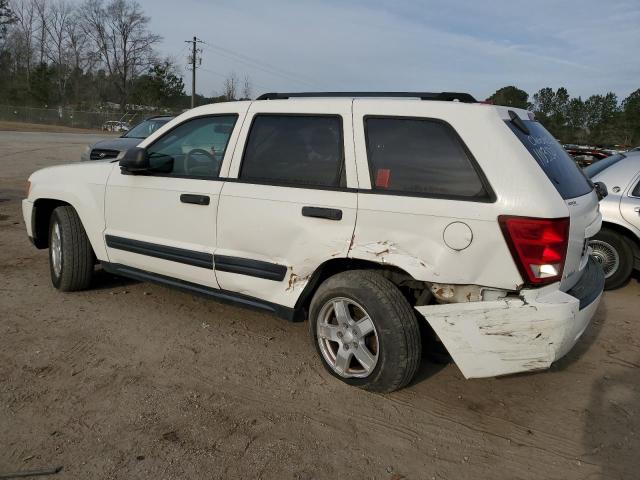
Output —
(83, 187)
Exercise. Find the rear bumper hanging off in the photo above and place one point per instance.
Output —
(517, 334)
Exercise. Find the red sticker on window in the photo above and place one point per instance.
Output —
(382, 177)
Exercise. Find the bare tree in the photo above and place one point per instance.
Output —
(120, 33)
(58, 15)
(231, 86)
(23, 34)
(247, 90)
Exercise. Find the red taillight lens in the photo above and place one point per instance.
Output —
(538, 246)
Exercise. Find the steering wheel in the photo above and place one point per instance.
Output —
(188, 159)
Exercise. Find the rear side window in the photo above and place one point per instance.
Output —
(636, 191)
(294, 150)
(421, 157)
(552, 158)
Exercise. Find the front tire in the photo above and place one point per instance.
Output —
(365, 331)
(70, 253)
(615, 255)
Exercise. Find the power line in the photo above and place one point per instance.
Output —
(258, 64)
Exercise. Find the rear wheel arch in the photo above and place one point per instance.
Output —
(338, 265)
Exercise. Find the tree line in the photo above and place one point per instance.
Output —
(86, 53)
(600, 120)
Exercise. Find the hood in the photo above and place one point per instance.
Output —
(120, 143)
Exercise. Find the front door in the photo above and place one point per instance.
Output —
(290, 202)
(164, 222)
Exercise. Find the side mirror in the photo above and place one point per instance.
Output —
(601, 190)
(135, 160)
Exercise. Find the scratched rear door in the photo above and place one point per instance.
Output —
(290, 203)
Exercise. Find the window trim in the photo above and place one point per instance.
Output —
(635, 183)
(490, 194)
(194, 177)
(271, 182)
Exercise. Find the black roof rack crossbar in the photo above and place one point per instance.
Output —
(443, 96)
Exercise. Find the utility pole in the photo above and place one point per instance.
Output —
(195, 61)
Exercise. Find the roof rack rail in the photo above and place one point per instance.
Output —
(443, 96)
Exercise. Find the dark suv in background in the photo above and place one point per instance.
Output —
(112, 147)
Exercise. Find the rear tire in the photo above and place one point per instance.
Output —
(392, 347)
(614, 253)
(70, 253)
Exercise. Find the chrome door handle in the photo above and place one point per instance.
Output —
(637, 210)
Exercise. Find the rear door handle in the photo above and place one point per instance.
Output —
(195, 199)
(320, 212)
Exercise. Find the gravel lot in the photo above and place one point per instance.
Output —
(131, 380)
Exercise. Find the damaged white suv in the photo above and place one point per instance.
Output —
(382, 218)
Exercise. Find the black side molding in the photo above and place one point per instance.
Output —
(173, 254)
(252, 268)
(321, 212)
(195, 199)
(202, 290)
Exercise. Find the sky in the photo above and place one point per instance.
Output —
(586, 46)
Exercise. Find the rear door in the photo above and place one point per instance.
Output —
(573, 187)
(290, 202)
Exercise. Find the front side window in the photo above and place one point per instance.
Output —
(296, 150)
(195, 148)
(420, 156)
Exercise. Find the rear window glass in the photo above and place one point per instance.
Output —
(597, 167)
(553, 159)
(420, 156)
(294, 150)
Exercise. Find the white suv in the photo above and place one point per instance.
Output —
(367, 213)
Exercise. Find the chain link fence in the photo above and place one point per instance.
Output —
(68, 117)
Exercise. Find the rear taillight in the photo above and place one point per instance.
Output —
(538, 246)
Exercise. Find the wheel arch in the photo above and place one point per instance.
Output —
(334, 266)
(41, 219)
(624, 231)
(629, 235)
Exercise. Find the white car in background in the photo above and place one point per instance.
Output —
(365, 213)
(617, 245)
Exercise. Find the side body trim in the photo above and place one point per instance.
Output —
(252, 268)
(173, 254)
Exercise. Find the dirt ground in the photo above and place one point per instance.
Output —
(131, 380)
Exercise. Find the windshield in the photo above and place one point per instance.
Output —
(553, 159)
(595, 168)
(146, 128)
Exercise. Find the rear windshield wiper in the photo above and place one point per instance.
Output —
(517, 121)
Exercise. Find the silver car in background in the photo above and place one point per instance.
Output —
(617, 245)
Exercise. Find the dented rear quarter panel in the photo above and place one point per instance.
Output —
(407, 231)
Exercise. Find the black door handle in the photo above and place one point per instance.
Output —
(195, 199)
(320, 212)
